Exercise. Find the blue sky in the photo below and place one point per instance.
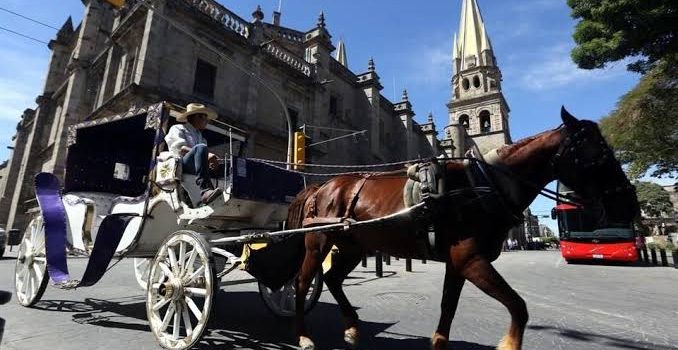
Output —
(411, 42)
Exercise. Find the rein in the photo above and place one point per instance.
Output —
(553, 195)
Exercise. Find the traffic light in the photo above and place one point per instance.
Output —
(299, 150)
(116, 3)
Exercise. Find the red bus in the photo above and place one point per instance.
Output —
(582, 237)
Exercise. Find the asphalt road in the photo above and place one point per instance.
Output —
(571, 307)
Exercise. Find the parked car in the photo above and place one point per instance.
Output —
(3, 241)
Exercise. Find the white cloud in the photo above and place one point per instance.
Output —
(431, 64)
(554, 68)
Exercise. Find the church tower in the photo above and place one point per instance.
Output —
(477, 105)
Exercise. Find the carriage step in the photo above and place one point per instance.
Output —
(66, 285)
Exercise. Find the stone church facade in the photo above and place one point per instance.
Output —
(184, 51)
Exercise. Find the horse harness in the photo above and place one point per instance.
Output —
(347, 218)
(427, 183)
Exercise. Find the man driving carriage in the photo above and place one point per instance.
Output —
(185, 140)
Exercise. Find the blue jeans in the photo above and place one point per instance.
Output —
(195, 162)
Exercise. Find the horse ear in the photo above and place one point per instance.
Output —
(568, 119)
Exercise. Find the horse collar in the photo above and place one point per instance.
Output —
(494, 173)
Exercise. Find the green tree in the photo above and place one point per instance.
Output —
(653, 199)
(611, 30)
(643, 128)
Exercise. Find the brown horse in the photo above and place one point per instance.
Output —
(470, 230)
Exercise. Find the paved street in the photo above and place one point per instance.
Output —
(571, 307)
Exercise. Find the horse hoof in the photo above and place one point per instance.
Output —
(351, 337)
(438, 342)
(508, 343)
(306, 344)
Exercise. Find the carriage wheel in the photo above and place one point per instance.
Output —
(30, 273)
(281, 302)
(142, 266)
(181, 288)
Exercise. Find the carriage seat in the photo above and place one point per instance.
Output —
(170, 176)
(86, 210)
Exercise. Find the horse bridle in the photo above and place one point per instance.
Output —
(568, 148)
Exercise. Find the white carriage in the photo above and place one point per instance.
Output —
(124, 195)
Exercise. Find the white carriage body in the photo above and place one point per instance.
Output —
(163, 198)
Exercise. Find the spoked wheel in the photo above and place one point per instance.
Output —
(142, 267)
(281, 302)
(181, 288)
(30, 274)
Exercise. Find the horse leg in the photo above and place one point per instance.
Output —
(316, 250)
(480, 272)
(448, 306)
(343, 263)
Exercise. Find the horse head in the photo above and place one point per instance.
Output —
(585, 163)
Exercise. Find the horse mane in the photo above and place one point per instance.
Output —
(507, 150)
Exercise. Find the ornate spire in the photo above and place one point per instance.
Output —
(472, 39)
(404, 97)
(455, 48)
(258, 14)
(430, 117)
(321, 20)
(370, 65)
(341, 53)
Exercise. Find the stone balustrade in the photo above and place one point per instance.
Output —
(291, 35)
(289, 58)
(222, 15)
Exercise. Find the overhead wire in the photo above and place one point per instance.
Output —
(28, 18)
(23, 35)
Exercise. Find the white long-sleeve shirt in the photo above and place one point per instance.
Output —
(183, 135)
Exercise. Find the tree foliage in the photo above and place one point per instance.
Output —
(643, 128)
(611, 30)
(653, 199)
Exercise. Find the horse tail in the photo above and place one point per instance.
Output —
(295, 213)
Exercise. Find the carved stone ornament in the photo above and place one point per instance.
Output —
(154, 116)
(72, 132)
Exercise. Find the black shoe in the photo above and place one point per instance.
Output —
(210, 195)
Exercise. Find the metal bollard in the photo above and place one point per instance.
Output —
(364, 261)
(653, 255)
(387, 259)
(423, 261)
(646, 259)
(379, 264)
(408, 265)
(663, 257)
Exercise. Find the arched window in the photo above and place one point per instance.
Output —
(476, 82)
(485, 125)
(465, 84)
(463, 120)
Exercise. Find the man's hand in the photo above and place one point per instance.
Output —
(213, 161)
(184, 150)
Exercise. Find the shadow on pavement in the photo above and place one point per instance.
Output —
(5, 297)
(240, 320)
(621, 343)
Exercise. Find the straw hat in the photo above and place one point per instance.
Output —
(197, 108)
